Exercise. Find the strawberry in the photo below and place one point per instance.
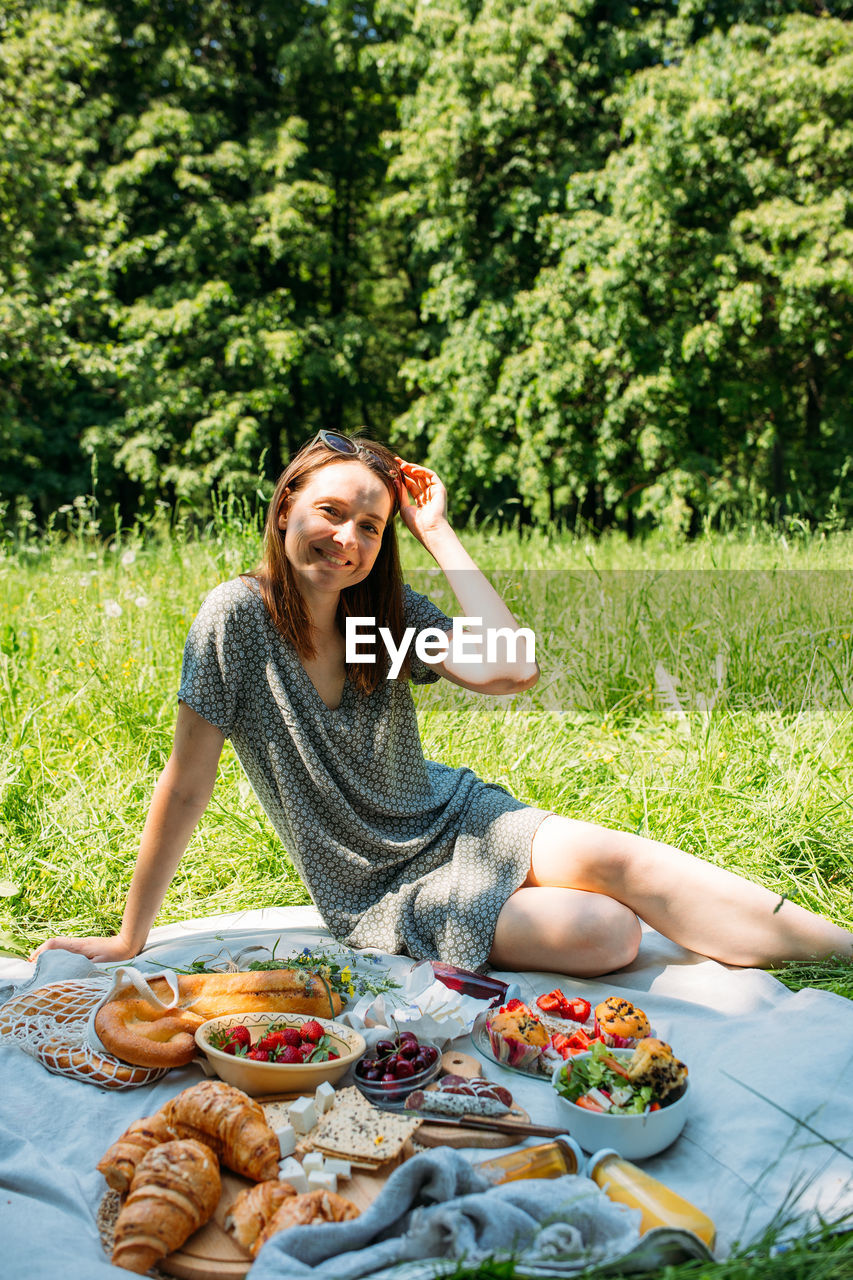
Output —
(239, 1037)
(289, 1054)
(291, 1036)
(273, 1041)
(258, 1054)
(311, 1030)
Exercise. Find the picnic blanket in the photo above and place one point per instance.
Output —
(768, 1135)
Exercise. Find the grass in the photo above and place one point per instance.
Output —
(749, 761)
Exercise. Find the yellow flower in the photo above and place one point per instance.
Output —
(350, 990)
(346, 974)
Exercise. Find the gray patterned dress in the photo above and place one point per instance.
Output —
(397, 852)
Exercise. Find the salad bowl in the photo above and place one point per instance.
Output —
(633, 1136)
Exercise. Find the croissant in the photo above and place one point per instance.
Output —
(252, 1210)
(305, 1210)
(228, 1121)
(118, 1164)
(174, 1191)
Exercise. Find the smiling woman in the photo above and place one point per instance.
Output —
(398, 852)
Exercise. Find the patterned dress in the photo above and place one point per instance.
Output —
(397, 852)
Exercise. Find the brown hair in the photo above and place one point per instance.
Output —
(379, 596)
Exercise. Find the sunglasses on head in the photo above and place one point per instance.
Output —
(339, 443)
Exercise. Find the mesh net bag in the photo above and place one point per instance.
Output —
(50, 1024)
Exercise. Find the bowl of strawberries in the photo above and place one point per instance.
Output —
(264, 1053)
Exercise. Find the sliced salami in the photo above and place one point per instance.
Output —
(455, 1104)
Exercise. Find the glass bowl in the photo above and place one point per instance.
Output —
(394, 1094)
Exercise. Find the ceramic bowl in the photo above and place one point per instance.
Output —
(634, 1137)
(395, 1094)
(259, 1078)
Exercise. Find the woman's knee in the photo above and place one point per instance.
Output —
(618, 933)
(565, 931)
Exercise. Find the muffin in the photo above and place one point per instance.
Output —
(517, 1036)
(655, 1064)
(619, 1023)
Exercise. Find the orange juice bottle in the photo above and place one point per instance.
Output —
(549, 1160)
(660, 1207)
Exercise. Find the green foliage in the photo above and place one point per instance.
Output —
(680, 344)
(590, 260)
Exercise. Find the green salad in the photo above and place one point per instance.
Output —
(600, 1082)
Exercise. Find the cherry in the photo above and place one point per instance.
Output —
(404, 1069)
(408, 1049)
(388, 1078)
(384, 1047)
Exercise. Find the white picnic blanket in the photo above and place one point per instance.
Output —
(770, 1129)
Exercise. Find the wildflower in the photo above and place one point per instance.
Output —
(112, 609)
(142, 602)
(128, 558)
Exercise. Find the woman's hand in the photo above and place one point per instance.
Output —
(108, 950)
(426, 513)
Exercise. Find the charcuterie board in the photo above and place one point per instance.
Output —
(435, 1135)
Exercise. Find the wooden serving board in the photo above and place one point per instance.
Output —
(211, 1254)
(443, 1135)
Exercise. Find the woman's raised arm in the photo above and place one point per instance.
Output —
(510, 669)
(180, 798)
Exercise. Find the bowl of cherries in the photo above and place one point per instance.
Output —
(388, 1072)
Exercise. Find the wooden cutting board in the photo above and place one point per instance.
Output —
(442, 1135)
(211, 1254)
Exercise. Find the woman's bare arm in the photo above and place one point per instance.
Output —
(425, 516)
(180, 798)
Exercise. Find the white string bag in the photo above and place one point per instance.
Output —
(54, 1024)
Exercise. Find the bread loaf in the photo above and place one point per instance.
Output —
(147, 1035)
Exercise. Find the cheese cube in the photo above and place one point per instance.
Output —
(286, 1135)
(290, 1170)
(320, 1180)
(312, 1161)
(340, 1168)
(303, 1115)
(324, 1098)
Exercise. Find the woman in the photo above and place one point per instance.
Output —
(400, 853)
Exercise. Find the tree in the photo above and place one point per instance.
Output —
(690, 346)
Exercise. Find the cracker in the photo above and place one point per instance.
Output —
(358, 1130)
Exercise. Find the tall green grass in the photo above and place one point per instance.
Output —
(753, 767)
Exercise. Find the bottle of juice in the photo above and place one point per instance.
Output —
(549, 1160)
(660, 1207)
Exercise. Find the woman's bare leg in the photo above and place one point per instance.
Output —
(696, 904)
(564, 931)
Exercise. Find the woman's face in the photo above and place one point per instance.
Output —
(333, 526)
